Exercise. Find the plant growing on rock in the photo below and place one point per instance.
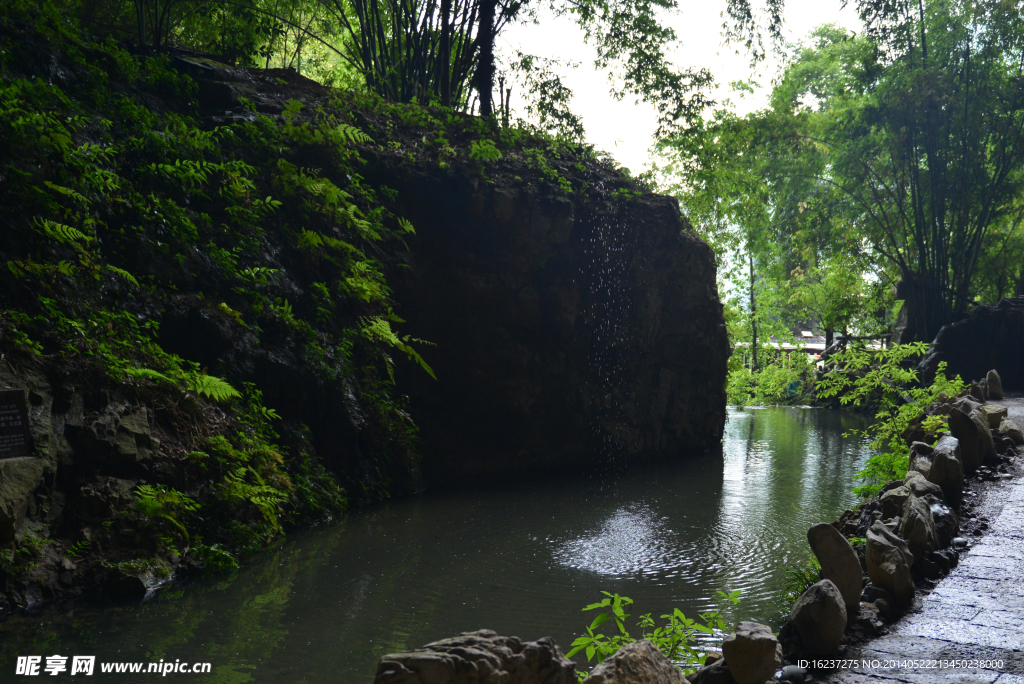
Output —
(859, 376)
(677, 638)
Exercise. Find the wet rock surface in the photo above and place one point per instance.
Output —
(752, 653)
(819, 616)
(481, 657)
(564, 333)
(974, 616)
(637, 663)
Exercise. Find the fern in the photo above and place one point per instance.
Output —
(353, 134)
(147, 374)
(264, 497)
(405, 225)
(214, 388)
(124, 274)
(62, 233)
(378, 328)
(68, 192)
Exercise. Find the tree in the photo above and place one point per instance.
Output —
(920, 124)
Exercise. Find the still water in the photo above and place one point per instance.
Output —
(522, 559)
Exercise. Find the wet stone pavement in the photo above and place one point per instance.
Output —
(974, 617)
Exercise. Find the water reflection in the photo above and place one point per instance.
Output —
(521, 560)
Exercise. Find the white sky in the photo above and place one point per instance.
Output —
(625, 128)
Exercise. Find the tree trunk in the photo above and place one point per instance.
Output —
(485, 67)
(830, 336)
(446, 53)
(753, 315)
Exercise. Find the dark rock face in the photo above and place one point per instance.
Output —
(992, 338)
(565, 334)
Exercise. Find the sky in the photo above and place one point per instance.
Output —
(625, 129)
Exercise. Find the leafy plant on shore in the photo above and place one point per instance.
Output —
(800, 579)
(860, 375)
(677, 637)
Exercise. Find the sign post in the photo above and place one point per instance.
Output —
(15, 436)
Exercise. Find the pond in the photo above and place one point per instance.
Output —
(521, 559)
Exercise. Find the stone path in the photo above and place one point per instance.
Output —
(974, 614)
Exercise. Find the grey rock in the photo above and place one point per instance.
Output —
(975, 439)
(873, 592)
(819, 616)
(917, 527)
(714, 674)
(753, 654)
(919, 486)
(947, 522)
(1012, 430)
(19, 479)
(892, 501)
(976, 392)
(995, 384)
(637, 663)
(993, 415)
(480, 657)
(921, 458)
(889, 560)
(947, 471)
(839, 562)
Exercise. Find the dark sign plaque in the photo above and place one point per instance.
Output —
(15, 437)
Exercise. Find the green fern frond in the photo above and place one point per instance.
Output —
(147, 374)
(66, 191)
(406, 225)
(124, 274)
(353, 134)
(214, 388)
(378, 328)
(62, 233)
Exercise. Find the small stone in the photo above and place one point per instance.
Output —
(892, 501)
(1012, 430)
(838, 561)
(819, 616)
(919, 486)
(714, 674)
(873, 592)
(995, 384)
(753, 654)
(994, 415)
(793, 674)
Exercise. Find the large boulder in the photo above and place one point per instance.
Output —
(889, 560)
(478, 658)
(753, 654)
(819, 617)
(917, 527)
(839, 563)
(975, 439)
(1012, 430)
(977, 392)
(946, 470)
(995, 384)
(993, 415)
(637, 663)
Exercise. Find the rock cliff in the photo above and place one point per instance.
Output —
(567, 331)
